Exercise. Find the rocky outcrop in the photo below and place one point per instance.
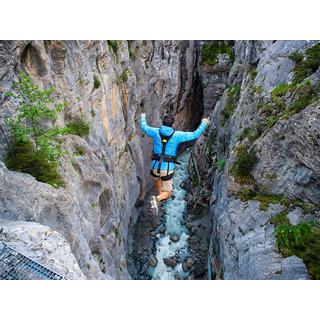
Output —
(41, 244)
(110, 84)
(243, 243)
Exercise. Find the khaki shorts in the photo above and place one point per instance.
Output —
(165, 185)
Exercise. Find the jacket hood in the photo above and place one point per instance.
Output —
(166, 130)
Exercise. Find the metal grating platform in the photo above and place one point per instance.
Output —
(15, 266)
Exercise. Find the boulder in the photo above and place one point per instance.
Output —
(175, 237)
(170, 262)
(153, 262)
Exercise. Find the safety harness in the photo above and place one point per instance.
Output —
(163, 158)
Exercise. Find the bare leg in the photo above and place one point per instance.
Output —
(164, 195)
(158, 185)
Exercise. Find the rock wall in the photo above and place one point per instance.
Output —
(243, 244)
(110, 84)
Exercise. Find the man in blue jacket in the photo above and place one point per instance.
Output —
(165, 144)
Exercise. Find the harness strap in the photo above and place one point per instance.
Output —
(164, 140)
(164, 178)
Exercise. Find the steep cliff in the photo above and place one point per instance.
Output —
(253, 192)
(109, 83)
(260, 162)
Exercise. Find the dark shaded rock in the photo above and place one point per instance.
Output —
(175, 237)
(153, 262)
(170, 262)
(187, 264)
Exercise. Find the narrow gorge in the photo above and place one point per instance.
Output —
(246, 202)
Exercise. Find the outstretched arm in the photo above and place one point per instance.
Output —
(188, 136)
(149, 131)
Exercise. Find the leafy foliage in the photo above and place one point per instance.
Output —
(244, 164)
(114, 45)
(123, 77)
(209, 51)
(27, 159)
(231, 104)
(35, 141)
(302, 240)
(96, 82)
(221, 164)
(280, 218)
(306, 64)
(79, 127)
(35, 107)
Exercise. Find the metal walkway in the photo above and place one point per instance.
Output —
(16, 266)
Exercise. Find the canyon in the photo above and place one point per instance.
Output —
(256, 168)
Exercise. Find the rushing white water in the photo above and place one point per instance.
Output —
(174, 209)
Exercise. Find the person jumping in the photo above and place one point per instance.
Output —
(165, 144)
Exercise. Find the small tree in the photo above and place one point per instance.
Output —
(35, 107)
(35, 146)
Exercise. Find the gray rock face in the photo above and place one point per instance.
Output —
(42, 244)
(243, 242)
(289, 154)
(293, 268)
(97, 206)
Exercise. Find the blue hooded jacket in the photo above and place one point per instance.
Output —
(172, 145)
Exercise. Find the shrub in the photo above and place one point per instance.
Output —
(123, 76)
(251, 133)
(306, 64)
(247, 194)
(244, 164)
(302, 240)
(79, 151)
(280, 218)
(96, 82)
(231, 104)
(36, 148)
(221, 164)
(35, 162)
(114, 45)
(79, 127)
(282, 89)
(210, 51)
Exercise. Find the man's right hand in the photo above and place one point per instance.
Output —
(206, 120)
(143, 114)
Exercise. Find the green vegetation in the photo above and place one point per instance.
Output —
(302, 240)
(231, 104)
(245, 162)
(306, 64)
(247, 194)
(194, 176)
(281, 90)
(280, 218)
(211, 50)
(36, 148)
(255, 89)
(250, 133)
(79, 127)
(124, 76)
(211, 140)
(302, 96)
(253, 72)
(306, 96)
(26, 158)
(221, 164)
(114, 45)
(96, 82)
(79, 151)
(132, 54)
